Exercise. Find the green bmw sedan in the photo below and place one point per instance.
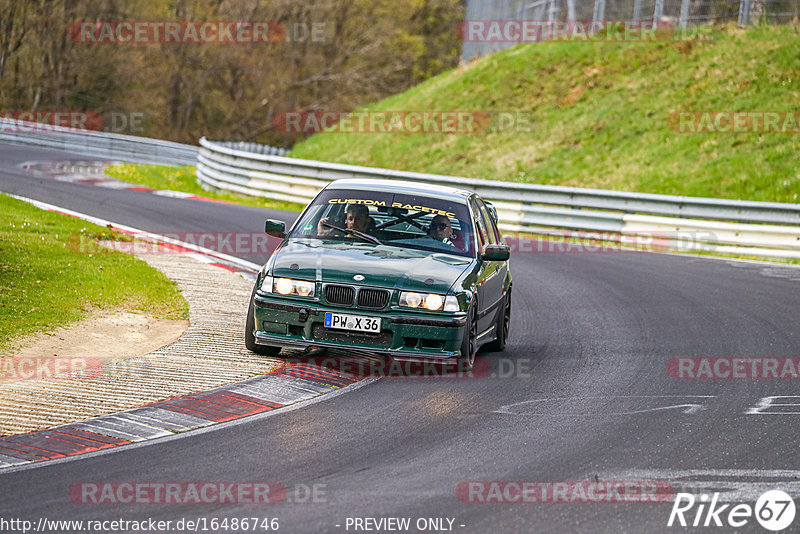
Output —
(407, 270)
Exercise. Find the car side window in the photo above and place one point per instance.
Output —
(480, 223)
(494, 234)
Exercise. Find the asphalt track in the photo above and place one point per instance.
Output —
(581, 394)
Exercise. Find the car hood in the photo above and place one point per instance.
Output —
(380, 265)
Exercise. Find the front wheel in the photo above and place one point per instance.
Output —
(502, 328)
(469, 343)
(250, 338)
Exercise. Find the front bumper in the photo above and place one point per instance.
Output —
(409, 335)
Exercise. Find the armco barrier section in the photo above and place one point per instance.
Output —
(97, 143)
(769, 229)
(732, 226)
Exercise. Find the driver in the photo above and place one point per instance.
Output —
(441, 230)
(357, 219)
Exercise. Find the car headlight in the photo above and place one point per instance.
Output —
(429, 301)
(287, 286)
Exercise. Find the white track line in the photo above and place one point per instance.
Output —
(141, 234)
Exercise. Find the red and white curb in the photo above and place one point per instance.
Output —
(289, 385)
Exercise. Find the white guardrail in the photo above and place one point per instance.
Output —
(768, 229)
(97, 143)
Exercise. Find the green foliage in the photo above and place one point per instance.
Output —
(365, 51)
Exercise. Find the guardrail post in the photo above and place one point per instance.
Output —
(599, 10)
(744, 12)
(684, 13)
(658, 12)
(552, 12)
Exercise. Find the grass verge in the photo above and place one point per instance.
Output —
(183, 179)
(47, 282)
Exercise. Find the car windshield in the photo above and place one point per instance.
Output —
(391, 219)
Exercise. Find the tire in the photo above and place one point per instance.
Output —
(502, 328)
(250, 338)
(469, 344)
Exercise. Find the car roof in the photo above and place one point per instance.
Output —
(389, 185)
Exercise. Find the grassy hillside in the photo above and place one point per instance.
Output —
(601, 117)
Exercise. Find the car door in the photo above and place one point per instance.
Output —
(491, 273)
(501, 275)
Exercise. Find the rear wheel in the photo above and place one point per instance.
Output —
(502, 328)
(469, 343)
(250, 338)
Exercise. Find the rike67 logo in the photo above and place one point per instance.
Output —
(774, 510)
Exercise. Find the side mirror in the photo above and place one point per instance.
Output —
(275, 228)
(496, 253)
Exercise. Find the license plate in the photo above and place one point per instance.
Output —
(360, 323)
